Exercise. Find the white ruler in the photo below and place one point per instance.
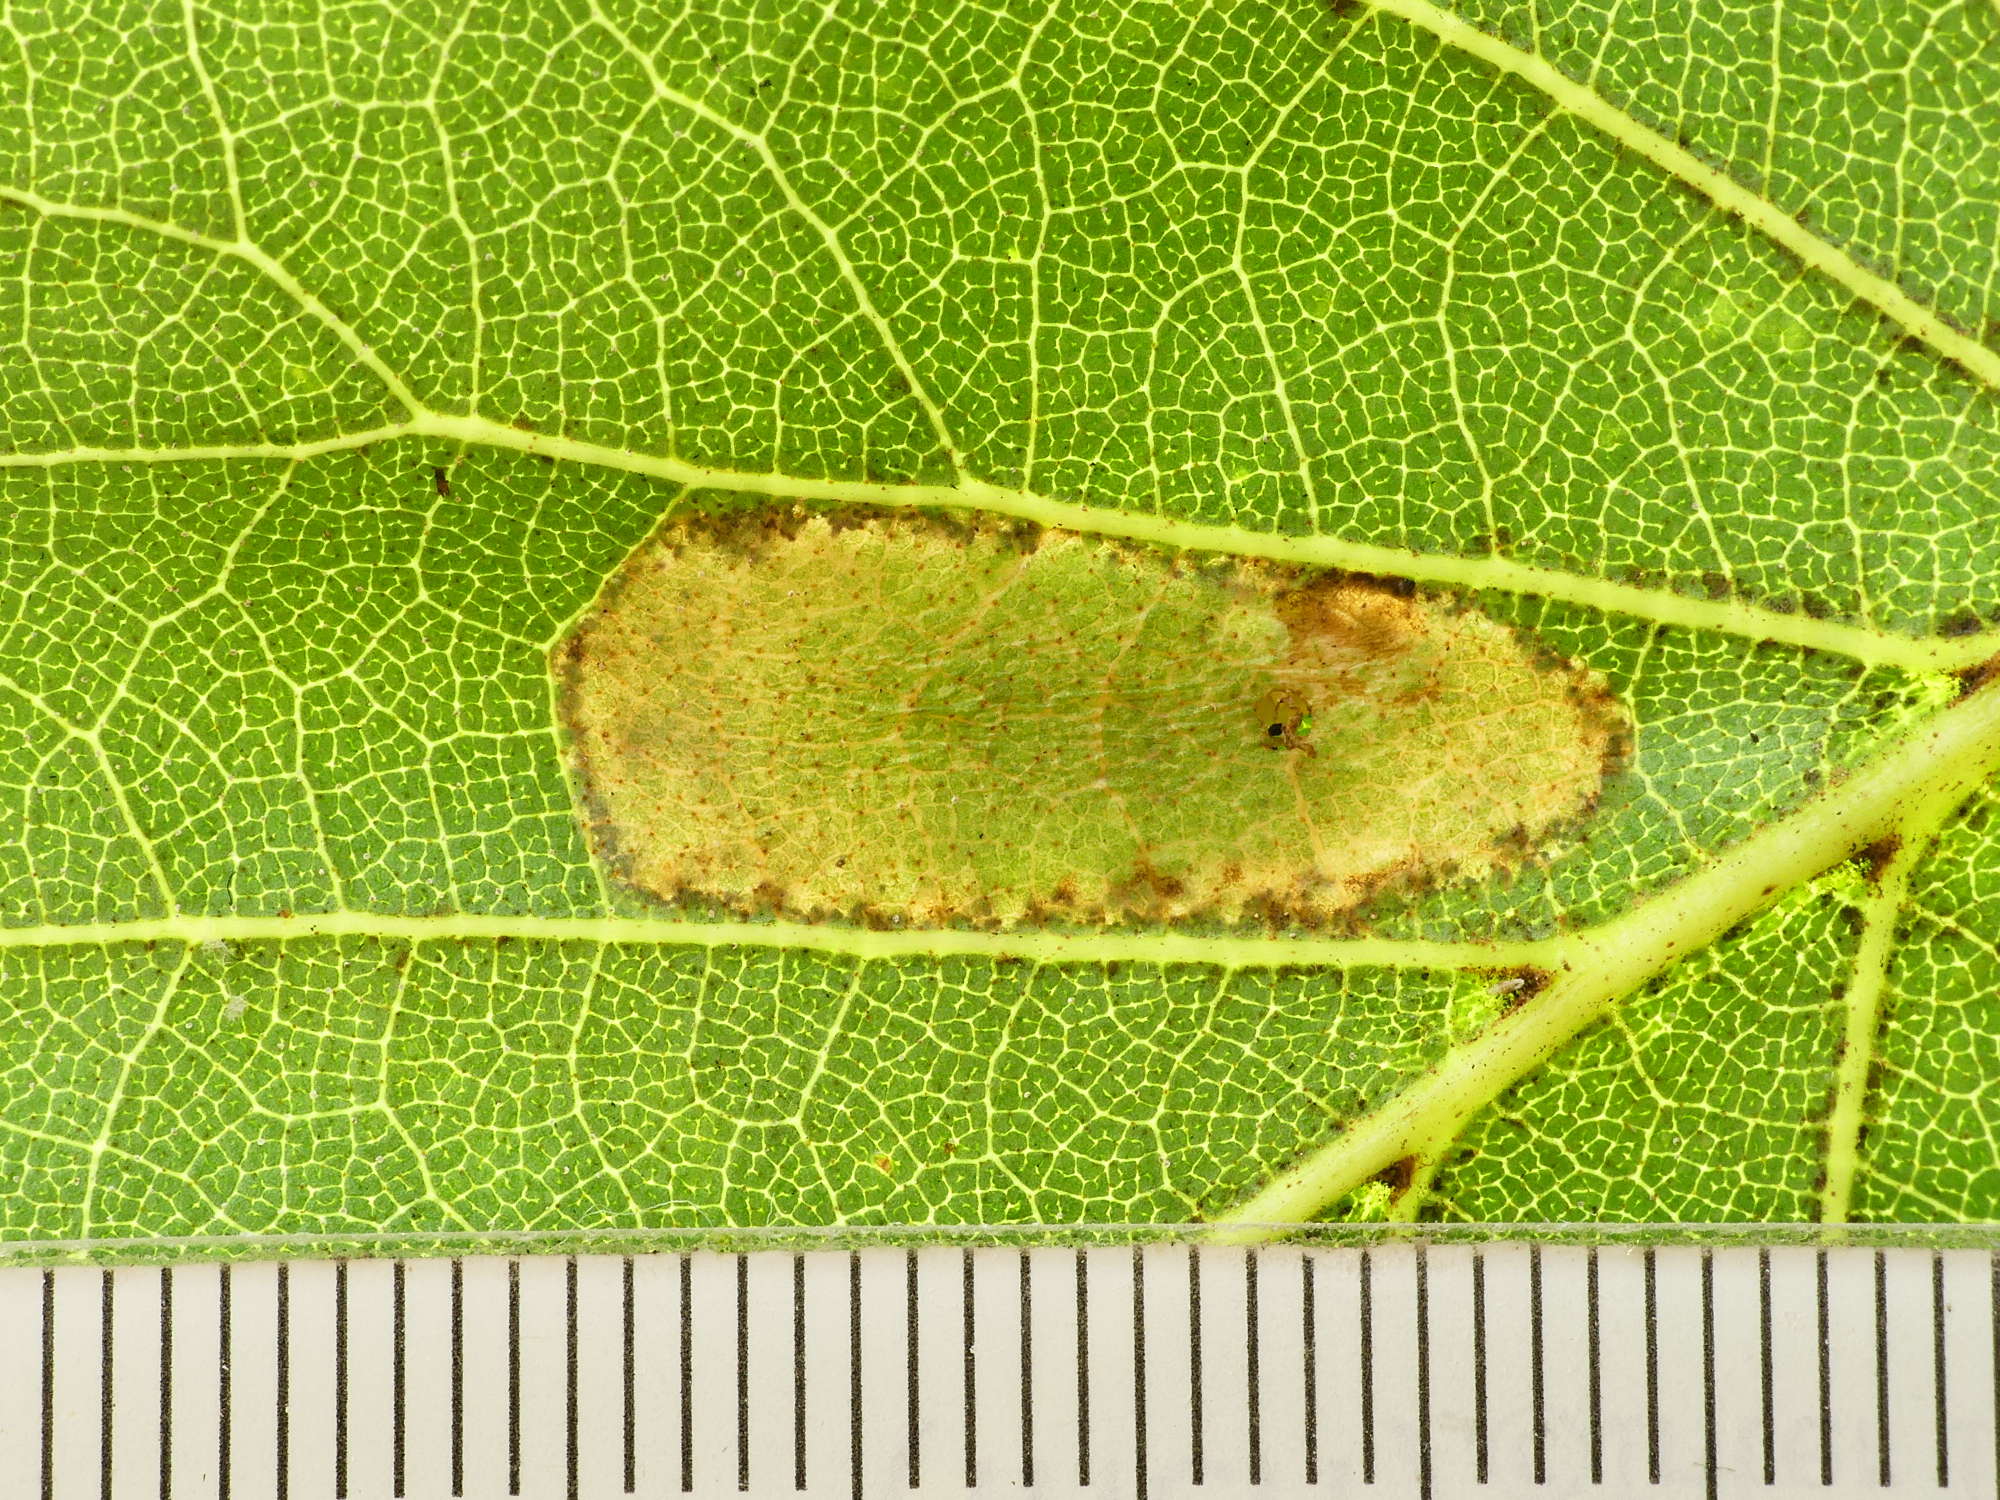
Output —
(1502, 1370)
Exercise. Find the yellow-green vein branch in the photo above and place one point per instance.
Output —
(252, 255)
(1864, 644)
(850, 274)
(1732, 197)
(1032, 945)
(121, 1082)
(1415, 1191)
(1859, 643)
(1863, 1003)
(206, 452)
(1931, 768)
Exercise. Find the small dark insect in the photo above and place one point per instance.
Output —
(1284, 719)
(443, 484)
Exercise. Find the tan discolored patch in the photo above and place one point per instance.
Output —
(894, 717)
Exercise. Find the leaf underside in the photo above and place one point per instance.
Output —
(344, 356)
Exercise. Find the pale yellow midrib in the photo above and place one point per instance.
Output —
(1933, 767)
(1040, 946)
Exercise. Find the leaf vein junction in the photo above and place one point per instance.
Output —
(1861, 643)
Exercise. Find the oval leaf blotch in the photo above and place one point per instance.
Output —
(895, 717)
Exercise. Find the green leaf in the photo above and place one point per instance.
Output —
(347, 356)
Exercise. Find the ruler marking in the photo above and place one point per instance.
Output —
(1652, 1369)
(1027, 1375)
(1937, 1370)
(570, 1455)
(1993, 1316)
(1882, 1367)
(1825, 1374)
(1253, 1397)
(742, 1371)
(1138, 1373)
(1764, 1366)
(687, 1372)
(629, 1372)
(457, 1376)
(49, 1377)
(1082, 1369)
(105, 1400)
(1540, 1427)
(1708, 1371)
(222, 1383)
(1480, 1450)
(1309, 1338)
(969, 1372)
(1367, 1370)
(166, 1382)
(513, 1377)
(284, 1392)
(854, 1374)
(340, 1380)
(1594, 1333)
(798, 1372)
(398, 1377)
(355, 1435)
(912, 1388)
(1194, 1362)
(1423, 1373)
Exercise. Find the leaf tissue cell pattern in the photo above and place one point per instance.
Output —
(1643, 339)
(923, 720)
(358, 1085)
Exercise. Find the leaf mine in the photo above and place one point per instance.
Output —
(898, 717)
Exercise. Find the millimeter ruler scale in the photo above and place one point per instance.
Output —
(1503, 1369)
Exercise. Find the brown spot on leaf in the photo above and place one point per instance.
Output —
(1971, 679)
(1516, 987)
(1398, 1175)
(1874, 858)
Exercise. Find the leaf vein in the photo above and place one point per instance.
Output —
(1728, 195)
